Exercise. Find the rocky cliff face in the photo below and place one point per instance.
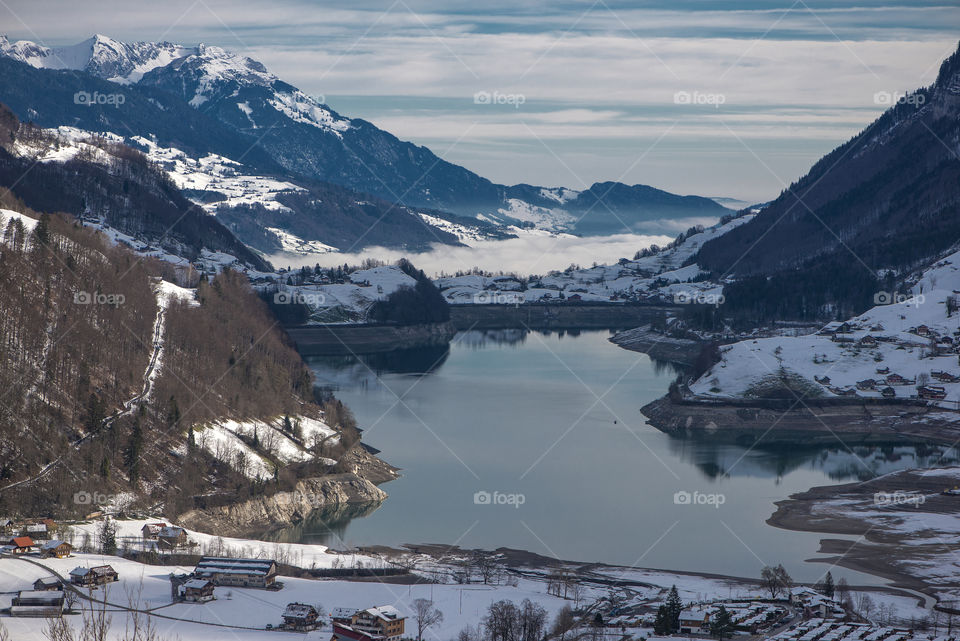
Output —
(284, 508)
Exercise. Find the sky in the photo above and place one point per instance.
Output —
(717, 98)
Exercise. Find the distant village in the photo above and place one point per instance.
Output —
(777, 609)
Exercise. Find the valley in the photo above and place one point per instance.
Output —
(267, 368)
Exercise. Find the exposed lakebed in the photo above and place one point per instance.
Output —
(535, 441)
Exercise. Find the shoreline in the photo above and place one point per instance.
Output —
(680, 351)
(810, 422)
(897, 541)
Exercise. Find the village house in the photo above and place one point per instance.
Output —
(21, 544)
(55, 548)
(883, 370)
(6, 525)
(694, 620)
(888, 392)
(343, 615)
(382, 623)
(150, 531)
(47, 583)
(197, 591)
(931, 392)
(97, 575)
(815, 604)
(37, 531)
(896, 379)
(35, 603)
(867, 384)
(249, 573)
(171, 537)
(300, 617)
(868, 341)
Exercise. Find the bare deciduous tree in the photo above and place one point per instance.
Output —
(426, 616)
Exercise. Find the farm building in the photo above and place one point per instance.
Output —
(55, 548)
(251, 573)
(197, 591)
(35, 603)
(150, 531)
(97, 575)
(300, 617)
(47, 583)
(172, 537)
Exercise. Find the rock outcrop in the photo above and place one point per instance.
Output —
(284, 508)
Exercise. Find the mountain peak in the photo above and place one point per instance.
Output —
(949, 70)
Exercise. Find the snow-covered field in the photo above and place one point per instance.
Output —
(219, 174)
(911, 337)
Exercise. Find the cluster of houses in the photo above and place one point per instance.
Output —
(212, 571)
(382, 623)
(91, 577)
(167, 537)
(18, 545)
(37, 529)
(815, 604)
(888, 380)
(747, 616)
(818, 629)
(48, 596)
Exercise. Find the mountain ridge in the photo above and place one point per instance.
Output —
(305, 137)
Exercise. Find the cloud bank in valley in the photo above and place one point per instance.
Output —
(526, 255)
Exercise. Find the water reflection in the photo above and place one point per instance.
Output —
(326, 526)
(839, 463)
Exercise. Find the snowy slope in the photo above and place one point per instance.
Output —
(217, 174)
(905, 332)
(7, 216)
(349, 301)
(228, 441)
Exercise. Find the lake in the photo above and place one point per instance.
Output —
(535, 441)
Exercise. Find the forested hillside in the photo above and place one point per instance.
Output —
(867, 214)
(101, 395)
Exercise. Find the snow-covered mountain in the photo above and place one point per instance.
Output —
(305, 137)
(874, 208)
(101, 56)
